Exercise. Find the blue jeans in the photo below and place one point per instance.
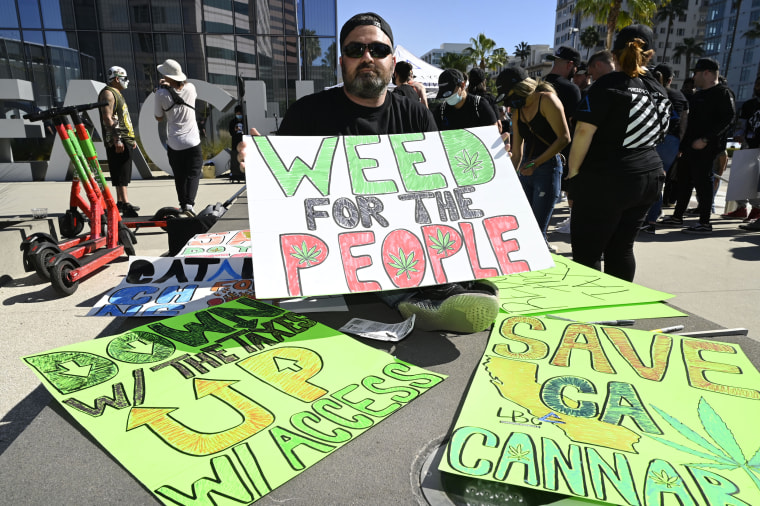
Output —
(542, 189)
(668, 151)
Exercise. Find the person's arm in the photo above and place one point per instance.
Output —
(584, 133)
(421, 92)
(684, 123)
(517, 140)
(158, 111)
(552, 110)
(241, 149)
(106, 114)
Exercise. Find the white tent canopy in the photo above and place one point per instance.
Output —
(424, 73)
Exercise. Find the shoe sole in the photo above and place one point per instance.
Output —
(466, 313)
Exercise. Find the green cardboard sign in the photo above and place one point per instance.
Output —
(611, 414)
(227, 403)
(568, 285)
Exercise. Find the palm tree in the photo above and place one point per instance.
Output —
(522, 51)
(498, 59)
(753, 32)
(669, 12)
(590, 39)
(311, 50)
(611, 13)
(481, 51)
(689, 48)
(455, 61)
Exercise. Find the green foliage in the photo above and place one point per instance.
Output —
(455, 61)
(612, 15)
(522, 51)
(590, 39)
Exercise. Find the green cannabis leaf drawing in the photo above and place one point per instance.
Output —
(664, 479)
(469, 163)
(404, 264)
(723, 452)
(517, 453)
(306, 255)
(442, 243)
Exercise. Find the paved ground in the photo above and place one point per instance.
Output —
(42, 452)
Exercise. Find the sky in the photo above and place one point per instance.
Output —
(422, 25)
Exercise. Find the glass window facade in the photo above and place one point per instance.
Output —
(50, 42)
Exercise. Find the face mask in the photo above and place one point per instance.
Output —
(454, 99)
(516, 101)
(124, 82)
(238, 117)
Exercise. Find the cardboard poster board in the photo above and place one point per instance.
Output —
(611, 414)
(366, 213)
(170, 286)
(569, 286)
(222, 244)
(228, 403)
(745, 175)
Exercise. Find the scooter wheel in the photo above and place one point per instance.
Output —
(125, 239)
(71, 223)
(40, 255)
(166, 214)
(60, 277)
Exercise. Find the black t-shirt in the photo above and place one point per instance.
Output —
(679, 110)
(751, 114)
(711, 114)
(567, 91)
(475, 112)
(408, 91)
(627, 124)
(331, 112)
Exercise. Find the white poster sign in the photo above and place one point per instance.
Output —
(366, 213)
(169, 286)
(745, 175)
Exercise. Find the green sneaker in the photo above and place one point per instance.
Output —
(466, 308)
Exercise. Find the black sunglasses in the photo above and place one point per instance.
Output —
(376, 49)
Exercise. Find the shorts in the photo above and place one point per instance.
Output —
(120, 165)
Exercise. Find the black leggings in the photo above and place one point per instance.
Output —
(186, 165)
(608, 210)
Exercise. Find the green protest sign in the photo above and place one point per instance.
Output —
(223, 405)
(610, 414)
(568, 286)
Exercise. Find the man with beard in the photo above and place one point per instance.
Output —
(363, 106)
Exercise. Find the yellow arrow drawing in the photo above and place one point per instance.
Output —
(255, 419)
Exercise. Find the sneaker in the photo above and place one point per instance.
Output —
(671, 221)
(552, 249)
(699, 229)
(563, 227)
(188, 210)
(466, 307)
(753, 215)
(751, 227)
(737, 214)
(692, 211)
(648, 228)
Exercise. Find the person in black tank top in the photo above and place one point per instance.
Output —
(539, 132)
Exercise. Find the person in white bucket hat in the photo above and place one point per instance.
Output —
(175, 103)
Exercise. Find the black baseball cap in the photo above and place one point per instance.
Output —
(665, 70)
(448, 81)
(631, 32)
(565, 53)
(507, 80)
(582, 68)
(706, 64)
(477, 76)
(365, 18)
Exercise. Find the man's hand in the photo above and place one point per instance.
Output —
(118, 145)
(698, 144)
(241, 150)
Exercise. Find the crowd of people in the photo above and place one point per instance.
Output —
(606, 132)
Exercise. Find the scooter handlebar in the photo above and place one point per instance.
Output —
(62, 111)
